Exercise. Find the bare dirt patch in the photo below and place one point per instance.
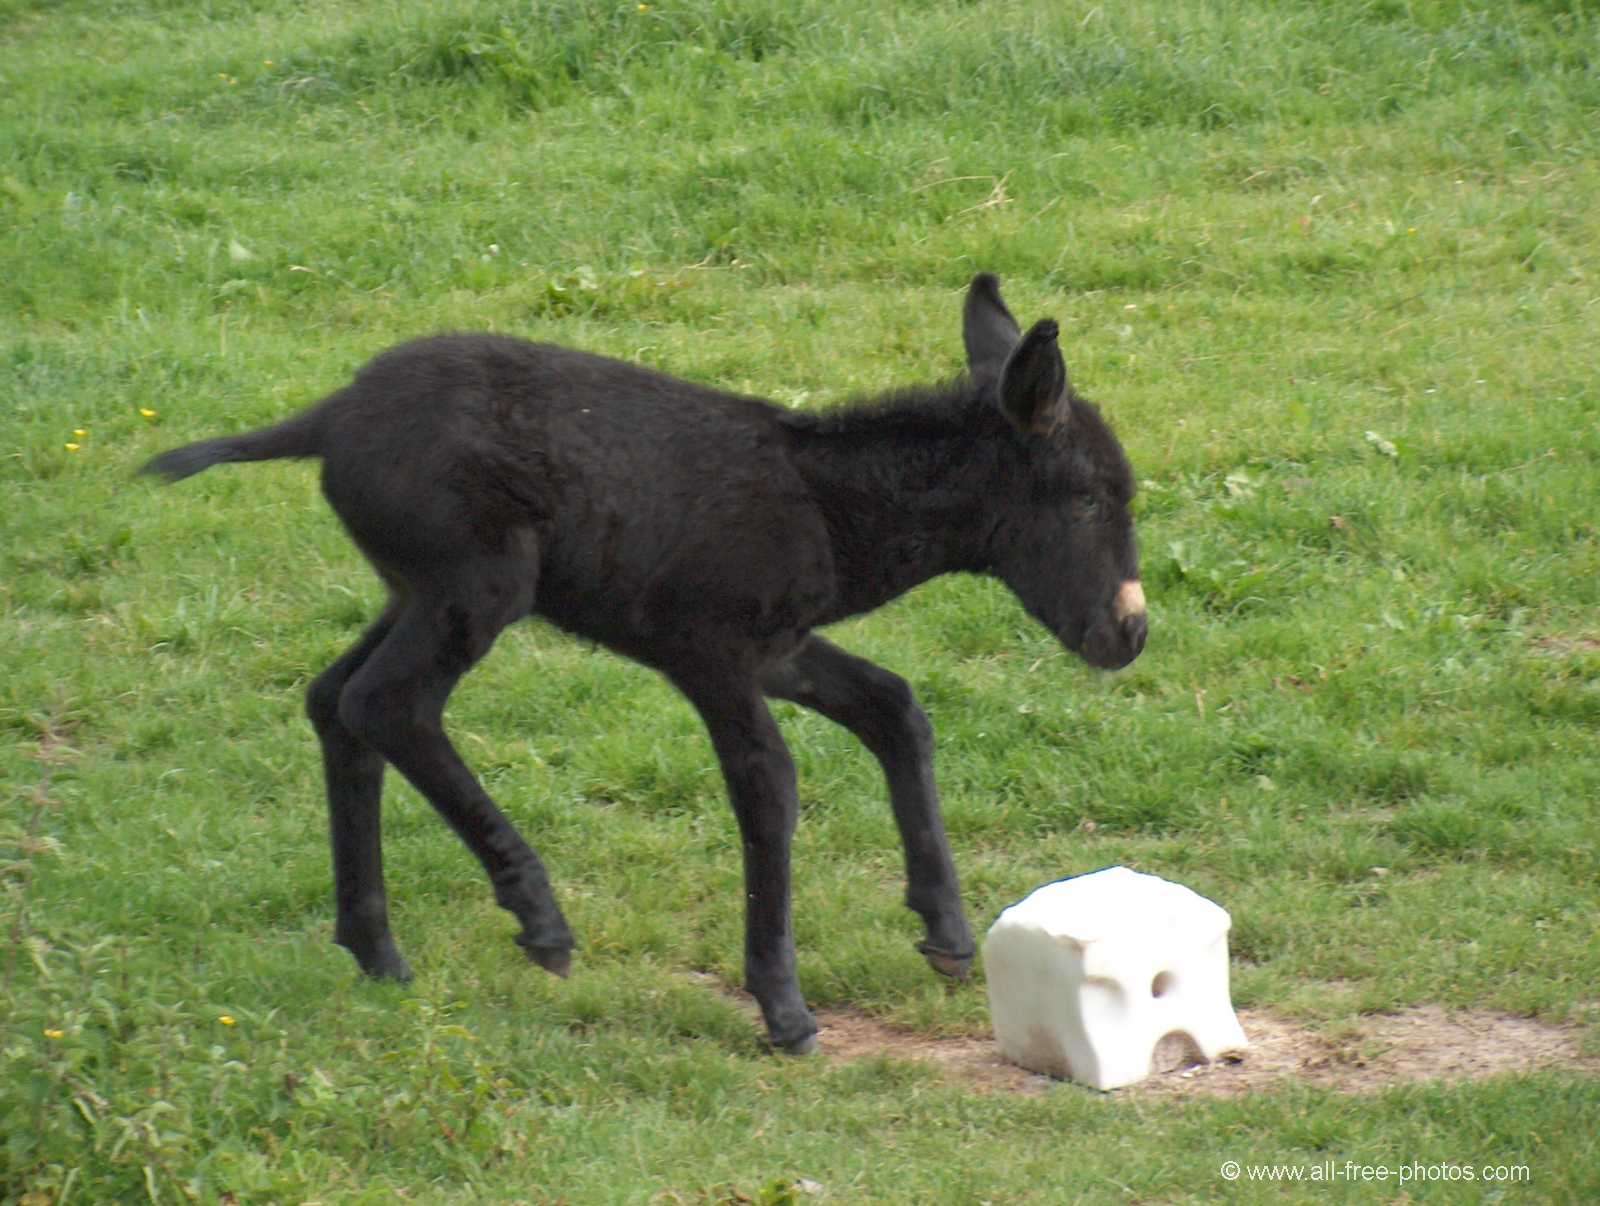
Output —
(1371, 1053)
(1566, 645)
(1367, 1054)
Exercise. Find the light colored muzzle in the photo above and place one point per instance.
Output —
(1129, 600)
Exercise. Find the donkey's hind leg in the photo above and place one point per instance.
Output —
(354, 773)
(395, 704)
(879, 708)
(761, 787)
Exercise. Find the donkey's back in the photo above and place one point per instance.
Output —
(629, 505)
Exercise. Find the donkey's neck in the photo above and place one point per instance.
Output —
(908, 488)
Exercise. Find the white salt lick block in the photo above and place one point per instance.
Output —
(1110, 976)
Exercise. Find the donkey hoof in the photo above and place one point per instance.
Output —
(557, 960)
(957, 967)
(385, 962)
(396, 969)
(804, 1045)
(791, 1030)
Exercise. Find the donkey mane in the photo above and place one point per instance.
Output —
(954, 408)
(1085, 458)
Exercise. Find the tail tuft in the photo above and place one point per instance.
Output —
(180, 463)
(300, 435)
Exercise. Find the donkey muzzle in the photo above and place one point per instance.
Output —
(1119, 638)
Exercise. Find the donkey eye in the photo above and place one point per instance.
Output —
(1086, 507)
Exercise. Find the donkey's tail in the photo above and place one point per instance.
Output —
(298, 436)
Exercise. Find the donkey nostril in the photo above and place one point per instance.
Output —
(1134, 630)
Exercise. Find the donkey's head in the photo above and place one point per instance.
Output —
(1063, 540)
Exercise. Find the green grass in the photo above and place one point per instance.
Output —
(1330, 267)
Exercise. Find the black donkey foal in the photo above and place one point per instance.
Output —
(707, 536)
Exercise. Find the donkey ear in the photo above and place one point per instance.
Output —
(1033, 384)
(987, 326)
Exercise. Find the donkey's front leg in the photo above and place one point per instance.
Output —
(879, 708)
(761, 786)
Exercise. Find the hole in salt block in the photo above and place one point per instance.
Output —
(1164, 983)
(1174, 1051)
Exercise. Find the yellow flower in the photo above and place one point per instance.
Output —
(79, 432)
(227, 1019)
(52, 1033)
(73, 447)
(146, 413)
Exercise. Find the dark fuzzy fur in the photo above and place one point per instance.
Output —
(707, 536)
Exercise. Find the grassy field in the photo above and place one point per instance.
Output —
(1333, 269)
